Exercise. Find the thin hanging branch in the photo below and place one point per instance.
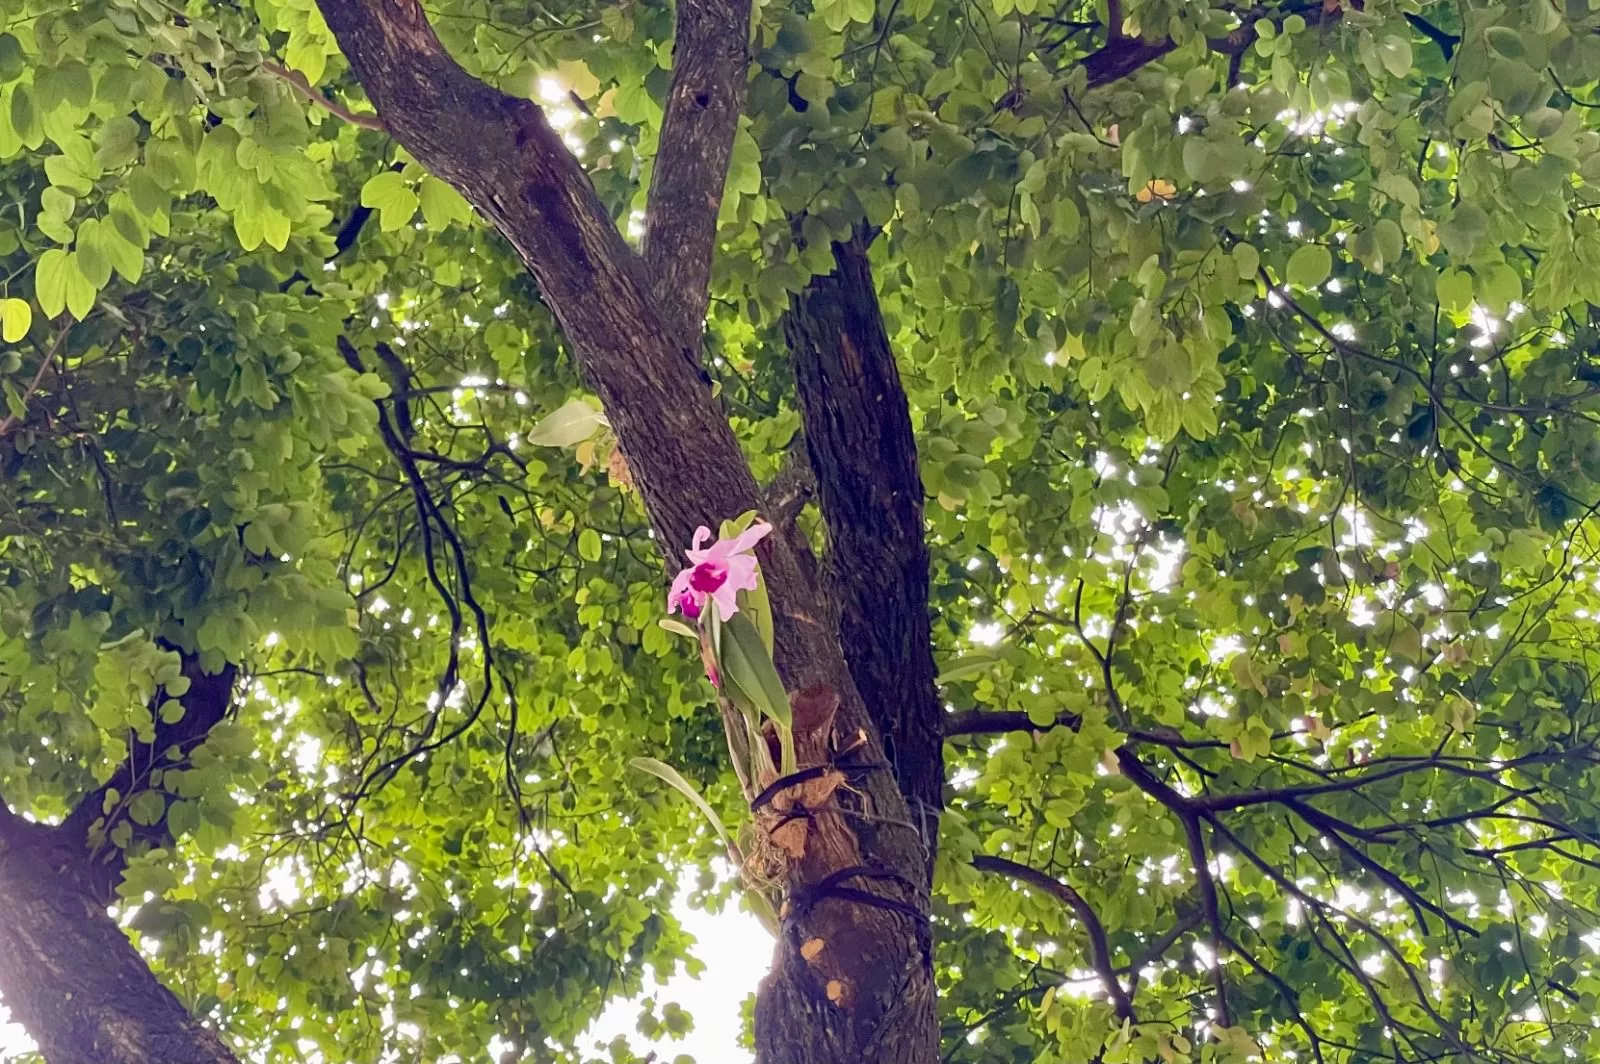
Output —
(11, 420)
(1099, 945)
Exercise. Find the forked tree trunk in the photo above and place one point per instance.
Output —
(852, 981)
(863, 451)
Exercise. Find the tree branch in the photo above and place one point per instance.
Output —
(10, 420)
(1321, 910)
(90, 824)
(1121, 56)
(862, 448)
(793, 487)
(1291, 998)
(996, 721)
(1099, 946)
(75, 982)
(1241, 799)
(1330, 827)
(710, 59)
(1158, 949)
(1200, 862)
(501, 153)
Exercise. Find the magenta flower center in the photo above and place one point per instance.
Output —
(689, 604)
(708, 576)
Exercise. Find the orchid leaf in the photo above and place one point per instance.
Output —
(673, 778)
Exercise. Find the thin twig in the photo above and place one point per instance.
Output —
(298, 82)
(33, 385)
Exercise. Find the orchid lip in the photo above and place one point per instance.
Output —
(708, 576)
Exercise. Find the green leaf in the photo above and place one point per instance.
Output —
(68, 84)
(589, 545)
(170, 164)
(90, 258)
(570, 424)
(677, 627)
(390, 195)
(1309, 266)
(745, 660)
(968, 666)
(24, 120)
(1464, 230)
(1497, 287)
(53, 275)
(67, 173)
(1394, 52)
(12, 61)
(57, 203)
(117, 142)
(1454, 290)
(441, 204)
(1505, 40)
(1391, 241)
(147, 807)
(756, 605)
(15, 318)
(1246, 260)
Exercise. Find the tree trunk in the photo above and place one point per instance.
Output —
(863, 451)
(69, 974)
(853, 977)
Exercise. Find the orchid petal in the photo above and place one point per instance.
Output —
(741, 573)
(727, 599)
(745, 541)
(708, 576)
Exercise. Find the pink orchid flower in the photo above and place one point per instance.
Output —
(717, 573)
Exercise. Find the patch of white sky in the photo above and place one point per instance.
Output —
(734, 948)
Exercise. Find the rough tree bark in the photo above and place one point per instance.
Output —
(862, 448)
(852, 978)
(68, 974)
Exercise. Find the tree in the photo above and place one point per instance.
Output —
(1179, 428)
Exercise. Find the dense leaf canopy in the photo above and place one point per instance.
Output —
(1249, 357)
